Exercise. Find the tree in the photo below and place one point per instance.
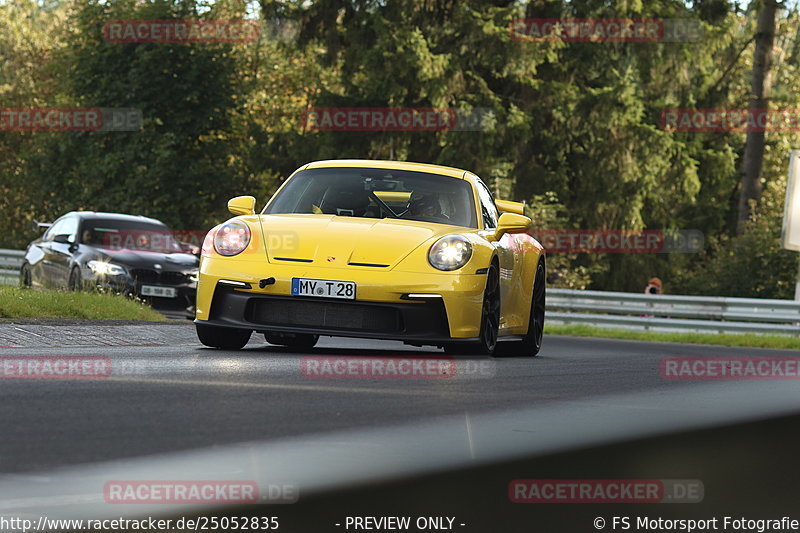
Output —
(759, 102)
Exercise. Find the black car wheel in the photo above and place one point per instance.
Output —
(490, 320)
(75, 282)
(223, 338)
(25, 276)
(298, 341)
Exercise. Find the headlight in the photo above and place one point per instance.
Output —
(194, 275)
(232, 238)
(450, 253)
(102, 268)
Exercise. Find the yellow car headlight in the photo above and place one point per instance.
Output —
(232, 238)
(450, 253)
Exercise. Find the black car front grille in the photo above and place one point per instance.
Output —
(319, 314)
(146, 275)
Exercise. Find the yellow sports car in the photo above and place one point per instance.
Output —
(375, 249)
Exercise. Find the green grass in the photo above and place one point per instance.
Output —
(724, 339)
(33, 303)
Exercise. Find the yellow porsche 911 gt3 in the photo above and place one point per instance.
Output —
(375, 249)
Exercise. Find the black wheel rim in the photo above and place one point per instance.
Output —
(538, 305)
(490, 318)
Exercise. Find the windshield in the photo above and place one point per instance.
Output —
(119, 234)
(378, 193)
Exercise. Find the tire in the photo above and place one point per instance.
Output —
(531, 343)
(490, 320)
(75, 282)
(222, 338)
(298, 341)
(25, 276)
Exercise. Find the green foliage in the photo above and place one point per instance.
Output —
(576, 125)
(31, 303)
(776, 342)
(751, 265)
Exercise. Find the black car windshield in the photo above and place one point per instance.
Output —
(120, 234)
(378, 193)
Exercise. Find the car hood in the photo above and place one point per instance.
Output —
(339, 241)
(146, 259)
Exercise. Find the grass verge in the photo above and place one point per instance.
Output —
(723, 339)
(32, 303)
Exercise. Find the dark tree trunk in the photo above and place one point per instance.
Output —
(750, 183)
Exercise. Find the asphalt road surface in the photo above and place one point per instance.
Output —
(170, 398)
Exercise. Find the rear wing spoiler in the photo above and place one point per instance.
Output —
(507, 206)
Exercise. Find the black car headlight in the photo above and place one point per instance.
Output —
(103, 268)
(450, 253)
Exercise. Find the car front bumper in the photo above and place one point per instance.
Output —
(412, 307)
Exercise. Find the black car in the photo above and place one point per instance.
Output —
(128, 254)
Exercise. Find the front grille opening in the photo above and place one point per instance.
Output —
(146, 275)
(320, 314)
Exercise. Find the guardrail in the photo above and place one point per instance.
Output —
(10, 262)
(623, 310)
(650, 312)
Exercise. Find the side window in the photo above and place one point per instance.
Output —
(488, 209)
(55, 229)
(71, 228)
(65, 226)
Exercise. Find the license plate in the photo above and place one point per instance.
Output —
(155, 290)
(324, 288)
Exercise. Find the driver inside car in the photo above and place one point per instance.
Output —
(426, 205)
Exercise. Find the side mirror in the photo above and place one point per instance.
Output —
(507, 206)
(242, 205)
(189, 248)
(62, 239)
(511, 222)
(42, 226)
